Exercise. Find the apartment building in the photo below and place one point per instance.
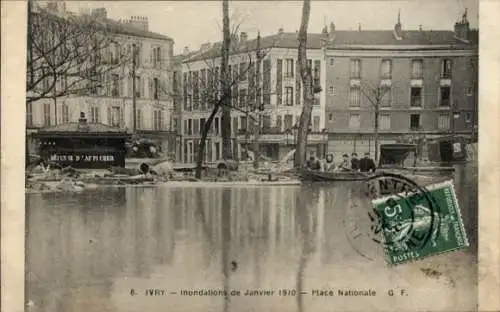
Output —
(424, 83)
(270, 96)
(112, 104)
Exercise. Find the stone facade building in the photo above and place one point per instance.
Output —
(112, 103)
(422, 82)
(280, 96)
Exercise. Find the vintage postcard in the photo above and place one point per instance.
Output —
(249, 156)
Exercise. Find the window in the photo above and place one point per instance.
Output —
(288, 68)
(115, 118)
(46, 114)
(174, 125)
(202, 124)
(416, 97)
(446, 69)
(243, 98)
(330, 117)
(332, 61)
(386, 93)
(354, 97)
(196, 126)
(331, 89)
(414, 121)
(138, 86)
(288, 122)
(29, 114)
(417, 69)
(234, 126)
(385, 121)
(157, 57)
(138, 118)
(94, 114)
(468, 91)
(216, 125)
(266, 121)
(189, 126)
(278, 122)
(355, 69)
(468, 117)
(217, 150)
(65, 113)
(156, 87)
(444, 96)
(243, 123)
(289, 96)
(354, 121)
(157, 120)
(115, 90)
(444, 121)
(386, 69)
(316, 123)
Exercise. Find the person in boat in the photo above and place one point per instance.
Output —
(345, 165)
(354, 162)
(366, 164)
(313, 164)
(329, 165)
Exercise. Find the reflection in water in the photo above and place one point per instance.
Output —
(85, 252)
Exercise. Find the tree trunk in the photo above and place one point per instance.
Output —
(308, 95)
(256, 129)
(376, 131)
(201, 147)
(227, 152)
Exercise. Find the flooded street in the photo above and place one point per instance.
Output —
(149, 248)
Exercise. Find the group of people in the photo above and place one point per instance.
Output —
(365, 164)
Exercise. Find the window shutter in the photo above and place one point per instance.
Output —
(122, 117)
(162, 119)
(109, 115)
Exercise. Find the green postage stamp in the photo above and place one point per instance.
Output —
(421, 223)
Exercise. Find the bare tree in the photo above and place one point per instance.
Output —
(70, 54)
(205, 88)
(308, 92)
(226, 89)
(375, 95)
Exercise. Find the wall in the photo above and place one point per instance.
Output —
(463, 77)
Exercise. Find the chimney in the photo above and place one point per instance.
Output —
(186, 50)
(398, 28)
(243, 37)
(359, 26)
(462, 28)
(139, 22)
(281, 31)
(420, 27)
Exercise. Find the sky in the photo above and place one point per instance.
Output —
(191, 23)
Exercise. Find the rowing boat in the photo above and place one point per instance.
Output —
(321, 176)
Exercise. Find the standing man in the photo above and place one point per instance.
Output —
(367, 164)
(354, 162)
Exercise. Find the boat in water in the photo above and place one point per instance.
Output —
(400, 158)
(322, 176)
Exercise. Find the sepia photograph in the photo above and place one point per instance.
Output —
(251, 156)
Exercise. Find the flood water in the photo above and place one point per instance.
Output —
(89, 251)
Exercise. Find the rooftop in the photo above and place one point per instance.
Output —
(347, 39)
